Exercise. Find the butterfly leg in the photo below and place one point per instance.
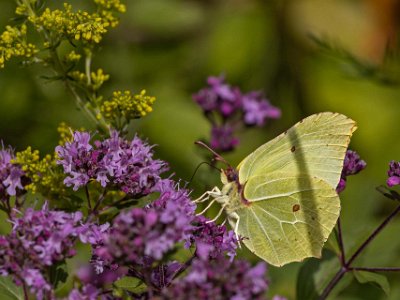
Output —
(215, 192)
(208, 206)
(237, 220)
(218, 215)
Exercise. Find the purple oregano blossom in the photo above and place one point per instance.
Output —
(213, 240)
(86, 292)
(149, 232)
(220, 279)
(38, 240)
(352, 165)
(227, 108)
(128, 165)
(140, 239)
(257, 109)
(94, 285)
(10, 175)
(93, 234)
(222, 138)
(138, 242)
(393, 173)
(219, 96)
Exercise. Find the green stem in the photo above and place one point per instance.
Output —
(88, 197)
(31, 11)
(341, 243)
(88, 62)
(26, 297)
(93, 211)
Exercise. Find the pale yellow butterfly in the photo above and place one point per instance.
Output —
(281, 199)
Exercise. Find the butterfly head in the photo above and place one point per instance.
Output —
(231, 175)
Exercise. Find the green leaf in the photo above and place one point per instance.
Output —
(9, 291)
(305, 287)
(131, 284)
(58, 274)
(70, 203)
(373, 278)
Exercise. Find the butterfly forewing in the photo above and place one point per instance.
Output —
(288, 216)
(315, 146)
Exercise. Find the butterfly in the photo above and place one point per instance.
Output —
(281, 199)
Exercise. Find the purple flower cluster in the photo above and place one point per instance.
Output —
(94, 284)
(257, 109)
(212, 240)
(222, 138)
(129, 165)
(220, 279)
(149, 232)
(219, 96)
(137, 243)
(38, 239)
(93, 234)
(140, 238)
(10, 175)
(227, 107)
(393, 173)
(352, 165)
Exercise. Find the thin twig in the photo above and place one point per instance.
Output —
(373, 235)
(96, 206)
(99, 201)
(184, 267)
(88, 197)
(8, 209)
(26, 297)
(339, 275)
(341, 244)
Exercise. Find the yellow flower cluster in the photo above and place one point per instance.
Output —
(96, 78)
(41, 172)
(90, 28)
(56, 21)
(127, 106)
(24, 6)
(13, 43)
(79, 77)
(80, 25)
(73, 56)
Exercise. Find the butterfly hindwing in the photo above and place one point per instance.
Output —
(315, 146)
(288, 216)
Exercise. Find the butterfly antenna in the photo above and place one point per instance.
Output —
(216, 155)
(198, 167)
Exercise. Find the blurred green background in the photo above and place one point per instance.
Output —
(169, 47)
